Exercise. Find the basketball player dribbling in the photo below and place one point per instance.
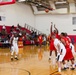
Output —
(14, 46)
(61, 51)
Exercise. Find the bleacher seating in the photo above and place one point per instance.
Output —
(8, 31)
(28, 42)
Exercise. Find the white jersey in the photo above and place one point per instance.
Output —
(72, 48)
(14, 47)
(15, 41)
(60, 57)
(56, 41)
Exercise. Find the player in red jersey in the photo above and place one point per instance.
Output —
(52, 48)
(40, 40)
(71, 45)
(69, 55)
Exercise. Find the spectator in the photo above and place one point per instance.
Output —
(12, 30)
(18, 27)
(44, 40)
(40, 40)
(3, 31)
(3, 27)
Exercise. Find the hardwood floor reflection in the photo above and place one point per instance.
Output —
(33, 60)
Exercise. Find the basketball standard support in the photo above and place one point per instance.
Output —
(7, 2)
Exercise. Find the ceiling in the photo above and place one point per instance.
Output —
(54, 0)
(41, 5)
(57, 4)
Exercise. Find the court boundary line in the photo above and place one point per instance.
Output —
(54, 72)
(18, 69)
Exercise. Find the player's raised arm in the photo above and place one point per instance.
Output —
(56, 29)
(51, 28)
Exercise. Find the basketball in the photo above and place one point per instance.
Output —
(46, 10)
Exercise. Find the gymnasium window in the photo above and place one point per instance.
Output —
(74, 20)
(2, 18)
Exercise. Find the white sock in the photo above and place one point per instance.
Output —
(49, 56)
(11, 56)
(65, 65)
(73, 65)
(59, 69)
(15, 56)
(56, 57)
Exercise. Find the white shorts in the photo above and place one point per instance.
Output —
(61, 57)
(72, 48)
(14, 48)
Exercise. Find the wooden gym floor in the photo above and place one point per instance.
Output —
(33, 60)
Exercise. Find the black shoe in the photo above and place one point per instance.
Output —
(72, 68)
(11, 59)
(67, 67)
(64, 68)
(16, 58)
(49, 58)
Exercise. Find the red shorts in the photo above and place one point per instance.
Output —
(69, 54)
(40, 42)
(52, 46)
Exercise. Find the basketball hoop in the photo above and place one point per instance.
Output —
(5, 2)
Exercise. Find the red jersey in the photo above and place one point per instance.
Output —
(52, 47)
(20, 39)
(69, 54)
(66, 42)
(40, 39)
(69, 40)
(57, 36)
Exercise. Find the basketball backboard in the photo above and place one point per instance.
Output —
(4, 2)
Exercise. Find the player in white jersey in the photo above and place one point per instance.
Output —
(61, 51)
(14, 46)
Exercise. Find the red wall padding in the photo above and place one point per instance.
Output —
(8, 28)
(5, 3)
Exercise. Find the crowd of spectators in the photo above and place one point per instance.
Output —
(32, 37)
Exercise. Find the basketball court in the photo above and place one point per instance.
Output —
(32, 61)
